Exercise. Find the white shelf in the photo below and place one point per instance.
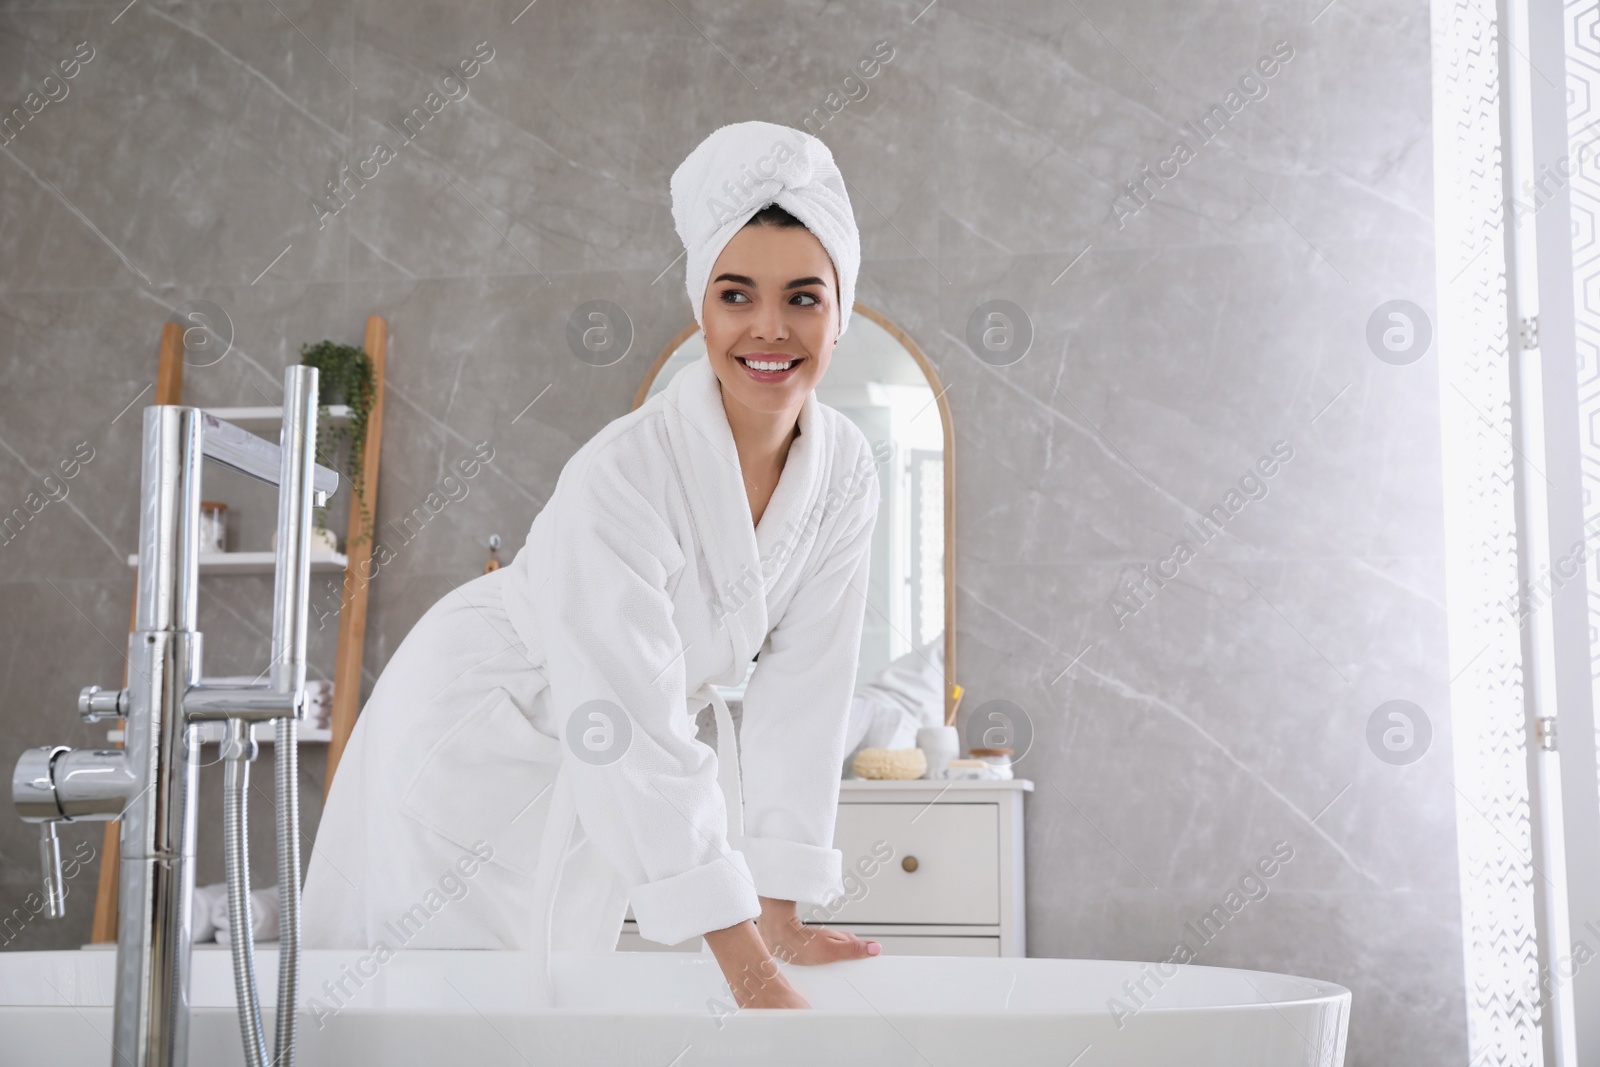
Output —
(211, 732)
(269, 418)
(954, 784)
(256, 562)
(945, 786)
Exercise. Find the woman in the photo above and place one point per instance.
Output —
(527, 766)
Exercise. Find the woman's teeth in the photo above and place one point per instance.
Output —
(757, 364)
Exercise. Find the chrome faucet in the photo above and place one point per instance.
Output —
(150, 785)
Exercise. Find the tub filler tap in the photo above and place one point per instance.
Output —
(150, 785)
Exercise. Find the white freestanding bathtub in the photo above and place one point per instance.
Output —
(671, 1010)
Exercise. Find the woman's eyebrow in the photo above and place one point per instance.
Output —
(740, 279)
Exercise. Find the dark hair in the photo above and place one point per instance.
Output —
(773, 215)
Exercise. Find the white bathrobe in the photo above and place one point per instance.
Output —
(642, 582)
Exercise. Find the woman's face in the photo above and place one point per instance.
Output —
(772, 298)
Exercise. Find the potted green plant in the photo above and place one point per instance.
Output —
(344, 376)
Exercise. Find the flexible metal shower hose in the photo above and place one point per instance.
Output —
(236, 858)
(287, 773)
(235, 836)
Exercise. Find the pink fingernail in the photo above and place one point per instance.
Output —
(873, 948)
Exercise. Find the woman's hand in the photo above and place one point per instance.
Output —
(752, 973)
(792, 941)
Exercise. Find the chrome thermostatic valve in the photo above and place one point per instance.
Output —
(61, 784)
(58, 784)
(33, 785)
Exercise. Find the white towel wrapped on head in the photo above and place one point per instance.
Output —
(740, 169)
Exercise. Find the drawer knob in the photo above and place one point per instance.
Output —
(908, 864)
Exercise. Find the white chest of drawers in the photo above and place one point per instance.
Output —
(930, 868)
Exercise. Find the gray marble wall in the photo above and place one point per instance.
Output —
(1176, 340)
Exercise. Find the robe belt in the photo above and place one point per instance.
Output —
(727, 757)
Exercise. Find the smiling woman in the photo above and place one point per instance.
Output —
(547, 708)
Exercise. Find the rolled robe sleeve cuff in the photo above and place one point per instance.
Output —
(789, 870)
(713, 896)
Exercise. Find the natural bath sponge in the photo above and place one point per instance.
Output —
(894, 763)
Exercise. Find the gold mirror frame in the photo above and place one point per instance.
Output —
(949, 473)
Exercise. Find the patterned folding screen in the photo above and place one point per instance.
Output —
(1583, 125)
(1499, 933)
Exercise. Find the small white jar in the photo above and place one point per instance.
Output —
(940, 744)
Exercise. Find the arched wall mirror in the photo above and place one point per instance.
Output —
(881, 380)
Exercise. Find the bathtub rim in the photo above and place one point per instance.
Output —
(1323, 992)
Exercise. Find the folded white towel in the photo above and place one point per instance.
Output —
(740, 169)
(263, 914)
(205, 899)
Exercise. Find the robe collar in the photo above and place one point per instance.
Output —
(744, 561)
